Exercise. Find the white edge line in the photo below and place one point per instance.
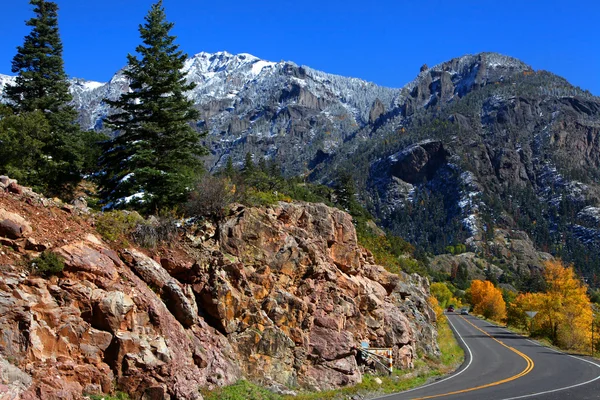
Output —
(553, 390)
(442, 380)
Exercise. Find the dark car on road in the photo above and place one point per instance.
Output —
(450, 308)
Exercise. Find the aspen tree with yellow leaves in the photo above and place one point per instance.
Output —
(564, 310)
(487, 300)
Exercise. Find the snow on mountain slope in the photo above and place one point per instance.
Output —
(283, 111)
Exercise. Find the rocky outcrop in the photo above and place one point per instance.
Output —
(512, 250)
(418, 162)
(377, 110)
(297, 295)
(281, 295)
(98, 326)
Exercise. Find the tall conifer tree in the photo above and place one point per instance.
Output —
(41, 86)
(41, 83)
(154, 159)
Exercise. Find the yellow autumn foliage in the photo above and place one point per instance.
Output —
(487, 300)
(437, 309)
(444, 295)
(564, 310)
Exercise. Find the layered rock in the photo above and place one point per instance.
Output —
(297, 295)
(98, 325)
(281, 295)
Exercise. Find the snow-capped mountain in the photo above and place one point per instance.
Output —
(292, 113)
(272, 109)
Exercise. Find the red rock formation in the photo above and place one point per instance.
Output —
(296, 295)
(283, 296)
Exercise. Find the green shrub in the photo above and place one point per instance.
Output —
(392, 252)
(93, 203)
(114, 225)
(47, 264)
(117, 396)
(241, 390)
(257, 198)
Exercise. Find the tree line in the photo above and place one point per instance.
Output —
(152, 158)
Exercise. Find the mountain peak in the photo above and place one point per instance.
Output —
(203, 63)
(492, 59)
(460, 75)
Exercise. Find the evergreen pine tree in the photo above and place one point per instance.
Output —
(229, 170)
(154, 159)
(262, 165)
(462, 280)
(345, 190)
(249, 166)
(41, 86)
(41, 83)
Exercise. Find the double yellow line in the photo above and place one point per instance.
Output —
(527, 369)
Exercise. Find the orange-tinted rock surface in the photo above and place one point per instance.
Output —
(281, 295)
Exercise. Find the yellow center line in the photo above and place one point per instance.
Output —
(527, 369)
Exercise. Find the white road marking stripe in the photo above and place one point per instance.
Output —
(445, 379)
(559, 389)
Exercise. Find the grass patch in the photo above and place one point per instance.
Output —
(117, 396)
(452, 355)
(241, 390)
(400, 380)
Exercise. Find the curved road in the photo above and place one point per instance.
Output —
(501, 365)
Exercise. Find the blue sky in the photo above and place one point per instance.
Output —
(381, 41)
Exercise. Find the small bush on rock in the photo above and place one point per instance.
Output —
(211, 195)
(113, 225)
(156, 230)
(257, 198)
(47, 264)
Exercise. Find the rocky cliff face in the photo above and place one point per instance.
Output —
(281, 295)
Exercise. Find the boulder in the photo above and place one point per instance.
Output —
(79, 257)
(13, 187)
(5, 180)
(111, 309)
(149, 270)
(32, 244)
(13, 226)
(181, 302)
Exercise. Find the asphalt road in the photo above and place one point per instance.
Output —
(500, 365)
